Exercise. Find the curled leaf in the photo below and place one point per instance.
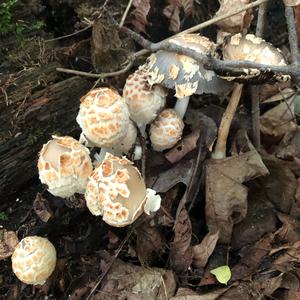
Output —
(223, 274)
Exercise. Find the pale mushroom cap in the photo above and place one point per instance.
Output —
(166, 130)
(117, 191)
(255, 49)
(144, 102)
(103, 117)
(183, 73)
(236, 23)
(127, 142)
(252, 48)
(34, 260)
(64, 166)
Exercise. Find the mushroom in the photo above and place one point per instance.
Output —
(103, 117)
(255, 49)
(117, 191)
(166, 130)
(144, 102)
(64, 166)
(183, 73)
(34, 260)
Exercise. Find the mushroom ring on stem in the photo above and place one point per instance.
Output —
(144, 102)
(64, 166)
(183, 73)
(117, 191)
(254, 49)
(34, 260)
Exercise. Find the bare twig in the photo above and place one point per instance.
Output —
(69, 35)
(220, 149)
(100, 75)
(255, 109)
(293, 39)
(125, 13)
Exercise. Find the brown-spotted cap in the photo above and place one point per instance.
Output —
(183, 73)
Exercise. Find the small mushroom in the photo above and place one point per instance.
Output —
(166, 130)
(117, 191)
(103, 117)
(64, 166)
(183, 73)
(34, 260)
(144, 102)
(255, 49)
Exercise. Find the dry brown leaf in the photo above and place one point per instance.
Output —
(42, 209)
(236, 23)
(289, 147)
(181, 254)
(172, 12)
(226, 197)
(188, 294)
(127, 281)
(8, 242)
(291, 2)
(150, 244)
(252, 258)
(203, 251)
(140, 13)
(280, 119)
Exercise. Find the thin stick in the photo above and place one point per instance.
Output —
(125, 13)
(220, 149)
(293, 39)
(94, 75)
(69, 35)
(255, 109)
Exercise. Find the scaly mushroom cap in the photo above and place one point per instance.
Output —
(238, 22)
(144, 102)
(183, 73)
(116, 191)
(34, 260)
(127, 142)
(255, 49)
(64, 166)
(103, 117)
(166, 130)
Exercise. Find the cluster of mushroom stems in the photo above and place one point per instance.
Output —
(113, 186)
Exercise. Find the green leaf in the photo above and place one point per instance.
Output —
(223, 274)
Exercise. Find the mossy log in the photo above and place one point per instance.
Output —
(38, 104)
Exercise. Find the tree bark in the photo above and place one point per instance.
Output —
(36, 106)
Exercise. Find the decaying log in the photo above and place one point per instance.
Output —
(41, 106)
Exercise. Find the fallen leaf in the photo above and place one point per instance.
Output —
(222, 273)
(226, 197)
(279, 120)
(150, 244)
(203, 251)
(128, 281)
(186, 145)
(181, 254)
(188, 294)
(140, 13)
(8, 243)
(42, 209)
(252, 258)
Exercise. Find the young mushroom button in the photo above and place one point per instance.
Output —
(64, 166)
(183, 73)
(166, 130)
(103, 117)
(34, 260)
(254, 49)
(144, 102)
(117, 191)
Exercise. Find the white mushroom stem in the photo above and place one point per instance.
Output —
(181, 106)
(142, 128)
(220, 149)
(99, 157)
